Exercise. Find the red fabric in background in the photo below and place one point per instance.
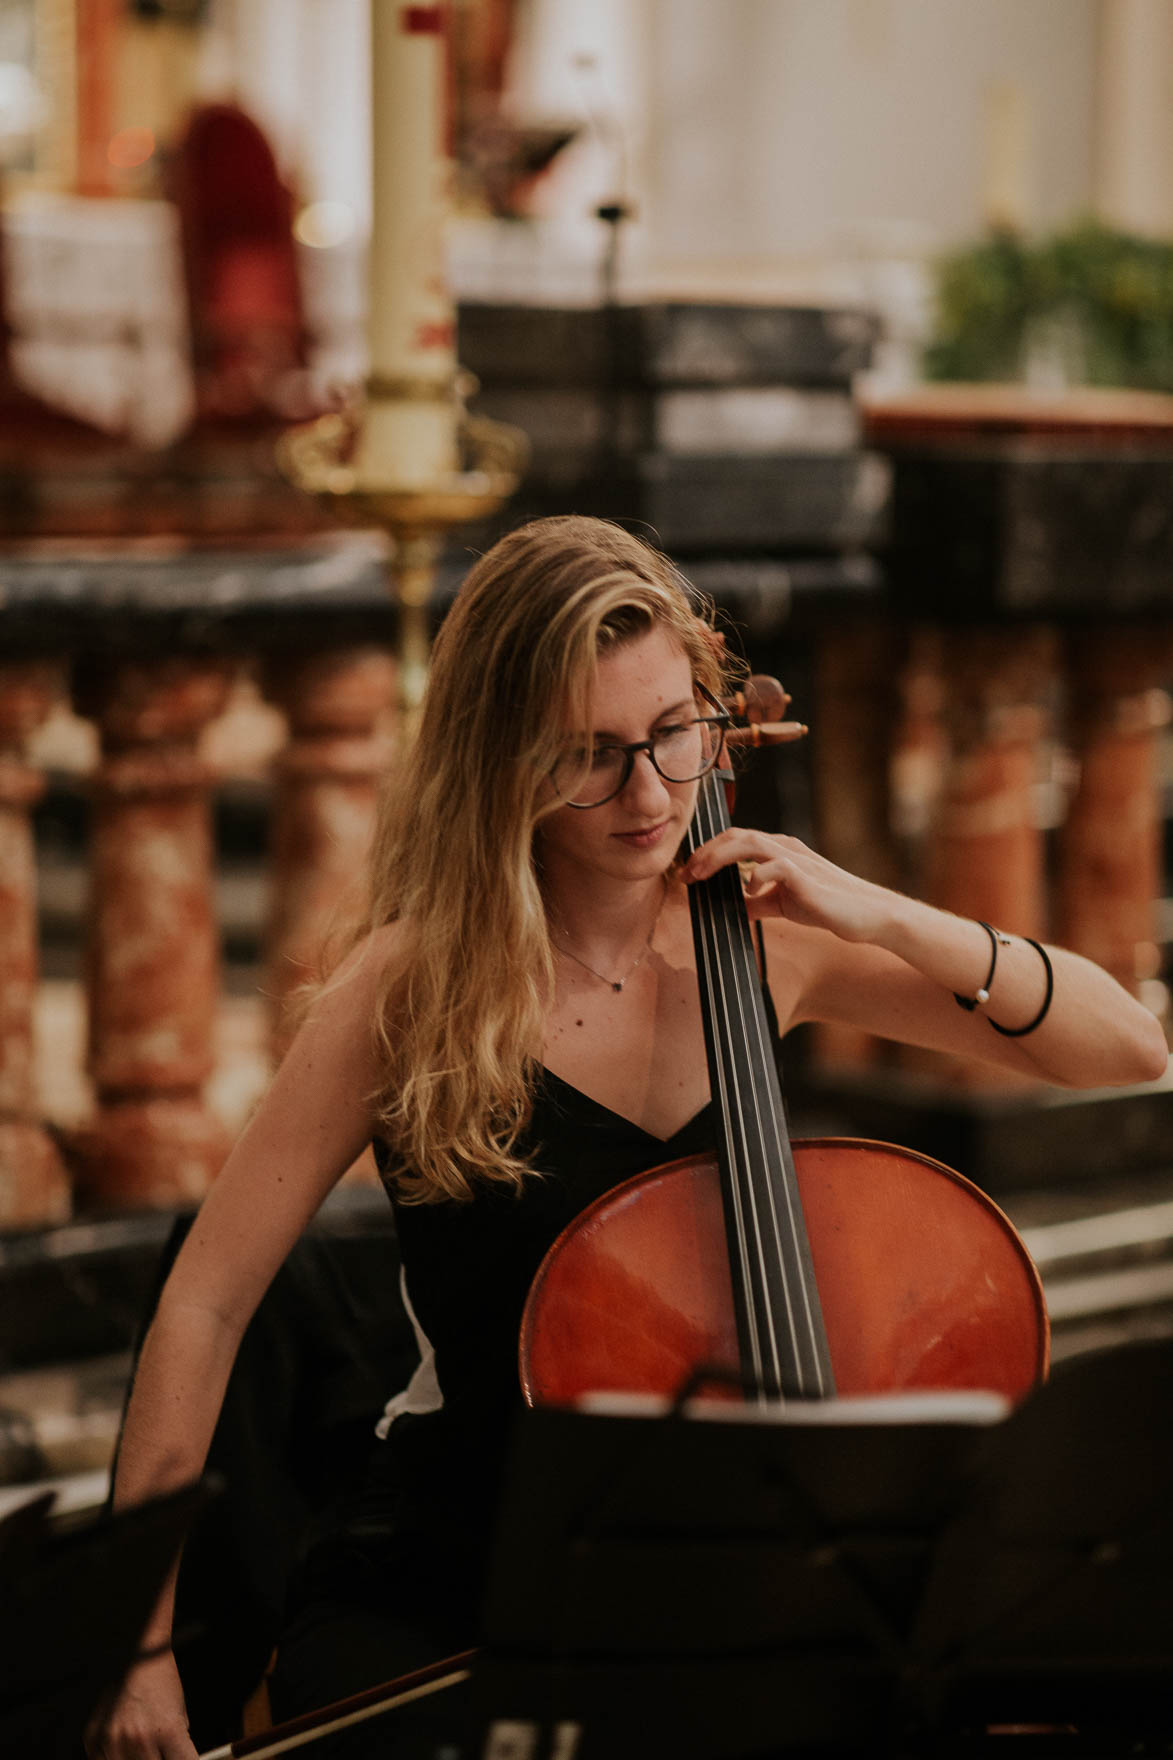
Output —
(240, 265)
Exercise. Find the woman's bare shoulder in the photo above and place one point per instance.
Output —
(372, 965)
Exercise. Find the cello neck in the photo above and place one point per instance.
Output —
(782, 1341)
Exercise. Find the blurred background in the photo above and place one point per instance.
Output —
(862, 308)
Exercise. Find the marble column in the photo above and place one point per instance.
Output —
(1109, 872)
(34, 1188)
(985, 848)
(921, 747)
(984, 853)
(326, 783)
(853, 725)
(153, 947)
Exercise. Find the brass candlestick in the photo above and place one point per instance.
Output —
(322, 457)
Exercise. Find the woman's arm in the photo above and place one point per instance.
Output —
(874, 959)
(313, 1123)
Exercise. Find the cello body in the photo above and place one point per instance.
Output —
(805, 1270)
(924, 1282)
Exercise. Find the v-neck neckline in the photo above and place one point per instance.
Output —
(630, 1123)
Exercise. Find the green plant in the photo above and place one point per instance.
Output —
(1111, 292)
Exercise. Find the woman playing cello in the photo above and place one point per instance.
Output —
(518, 1030)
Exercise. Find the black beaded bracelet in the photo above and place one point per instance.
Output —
(1021, 1032)
(983, 995)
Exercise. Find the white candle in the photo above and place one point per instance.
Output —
(409, 428)
(1006, 186)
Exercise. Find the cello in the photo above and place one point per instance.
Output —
(798, 1271)
(830, 1266)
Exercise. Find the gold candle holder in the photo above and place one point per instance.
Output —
(328, 460)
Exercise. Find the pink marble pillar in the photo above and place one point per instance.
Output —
(34, 1188)
(326, 782)
(984, 853)
(1109, 869)
(920, 743)
(985, 848)
(153, 953)
(853, 720)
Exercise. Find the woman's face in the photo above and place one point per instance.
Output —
(640, 688)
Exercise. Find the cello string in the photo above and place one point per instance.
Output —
(784, 1283)
(739, 1243)
(778, 1288)
(790, 1238)
(744, 1199)
(777, 1167)
(772, 1295)
(793, 1273)
(736, 1121)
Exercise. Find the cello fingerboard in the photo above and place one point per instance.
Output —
(782, 1340)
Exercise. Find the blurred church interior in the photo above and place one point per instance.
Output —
(864, 308)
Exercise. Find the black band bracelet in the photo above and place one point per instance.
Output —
(1021, 1032)
(983, 995)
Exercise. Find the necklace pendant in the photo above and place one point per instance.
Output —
(617, 987)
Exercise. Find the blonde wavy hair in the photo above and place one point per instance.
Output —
(460, 1018)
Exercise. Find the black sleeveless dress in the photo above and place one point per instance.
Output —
(397, 1579)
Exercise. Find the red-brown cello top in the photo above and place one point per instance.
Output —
(840, 1266)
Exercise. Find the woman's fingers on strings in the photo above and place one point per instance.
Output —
(762, 879)
(774, 876)
(779, 888)
(738, 845)
(784, 877)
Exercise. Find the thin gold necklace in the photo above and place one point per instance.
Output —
(617, 984)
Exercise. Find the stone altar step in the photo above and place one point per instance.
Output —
(667, 342)
(727, 428)
(1023, 1140)
(768, 502)
(1054, 506)
(1107, 1272)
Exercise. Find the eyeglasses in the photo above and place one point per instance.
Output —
(680, 752)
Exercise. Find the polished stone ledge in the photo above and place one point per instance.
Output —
(56, 595)
(1032, 528)
(667, 343)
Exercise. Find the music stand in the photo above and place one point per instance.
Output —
(822, 1584)
(736, 1586)
(1051, 1600)
(74, 1599)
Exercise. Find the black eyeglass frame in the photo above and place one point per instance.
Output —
(722, 719)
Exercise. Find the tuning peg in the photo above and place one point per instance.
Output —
(767, 733)
(761, 698)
